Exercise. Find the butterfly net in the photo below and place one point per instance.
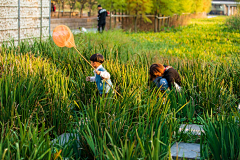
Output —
(63, 37)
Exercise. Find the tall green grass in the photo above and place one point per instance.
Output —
(46, 84)
(221, 136)
(24, 140)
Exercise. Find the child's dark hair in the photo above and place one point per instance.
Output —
(156, 70)
(97, 58)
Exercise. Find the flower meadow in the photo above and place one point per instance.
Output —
(43, 94)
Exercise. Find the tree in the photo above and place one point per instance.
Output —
(164, 7)
(82, 3)
(91, 3)
(59, 5)
(207, 5)
(238, 6)
(72, 6)
(198, 6)
(139, 7)
(185, 6)
(169, 8)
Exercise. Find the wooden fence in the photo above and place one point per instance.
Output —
(158, 21)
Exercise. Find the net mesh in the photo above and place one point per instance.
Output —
(63, 37)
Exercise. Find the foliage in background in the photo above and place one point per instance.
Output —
(139, 7)
(135, 7)
(233, 22)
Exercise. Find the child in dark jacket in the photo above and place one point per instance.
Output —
(172, 77)
(165, 77)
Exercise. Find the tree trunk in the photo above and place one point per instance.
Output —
(115, 20)
(155, 24)
(62, 8)
(59, 9)
(81, 11)
(110, 20)
(159, 23)
(90, 10)
(127, 18)
(163, 21)
(122, 20)
(135, 24)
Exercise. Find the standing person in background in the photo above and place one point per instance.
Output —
(102, 13)
(54, 8)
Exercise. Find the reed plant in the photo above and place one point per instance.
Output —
(24, 140)
(112, 129)
(221, 136)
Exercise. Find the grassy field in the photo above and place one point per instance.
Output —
(43, 93)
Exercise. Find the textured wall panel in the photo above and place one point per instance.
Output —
(29, 33)
(45, 31)
(30, 21)
(8, 2)
(34, 12)
(8, 24)
(34, 22)
(8, 35)
(10, 12)
(33, 3)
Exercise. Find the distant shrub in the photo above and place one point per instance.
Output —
(233, 22)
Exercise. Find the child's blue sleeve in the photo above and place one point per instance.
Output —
(163, 84)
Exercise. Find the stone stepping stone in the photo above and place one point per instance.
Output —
(194, 128)
(65, 138)
(185, 150)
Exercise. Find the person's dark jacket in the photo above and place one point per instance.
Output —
(102, 13)
(172, 76)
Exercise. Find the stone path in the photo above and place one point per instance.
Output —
(195, 129)
(187, 150)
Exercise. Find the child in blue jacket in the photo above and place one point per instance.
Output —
(100, 73)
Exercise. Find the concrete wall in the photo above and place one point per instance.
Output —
(30, 19)
(74, 23)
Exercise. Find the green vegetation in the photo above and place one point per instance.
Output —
(44, 94)
(233, 22)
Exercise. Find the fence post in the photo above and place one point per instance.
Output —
(50, 18)
(110, 24)
(115, 20)
(159, 23)
(41, 23)
(19, 25)
(155, 23)
(163, 21)
(122, 20)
